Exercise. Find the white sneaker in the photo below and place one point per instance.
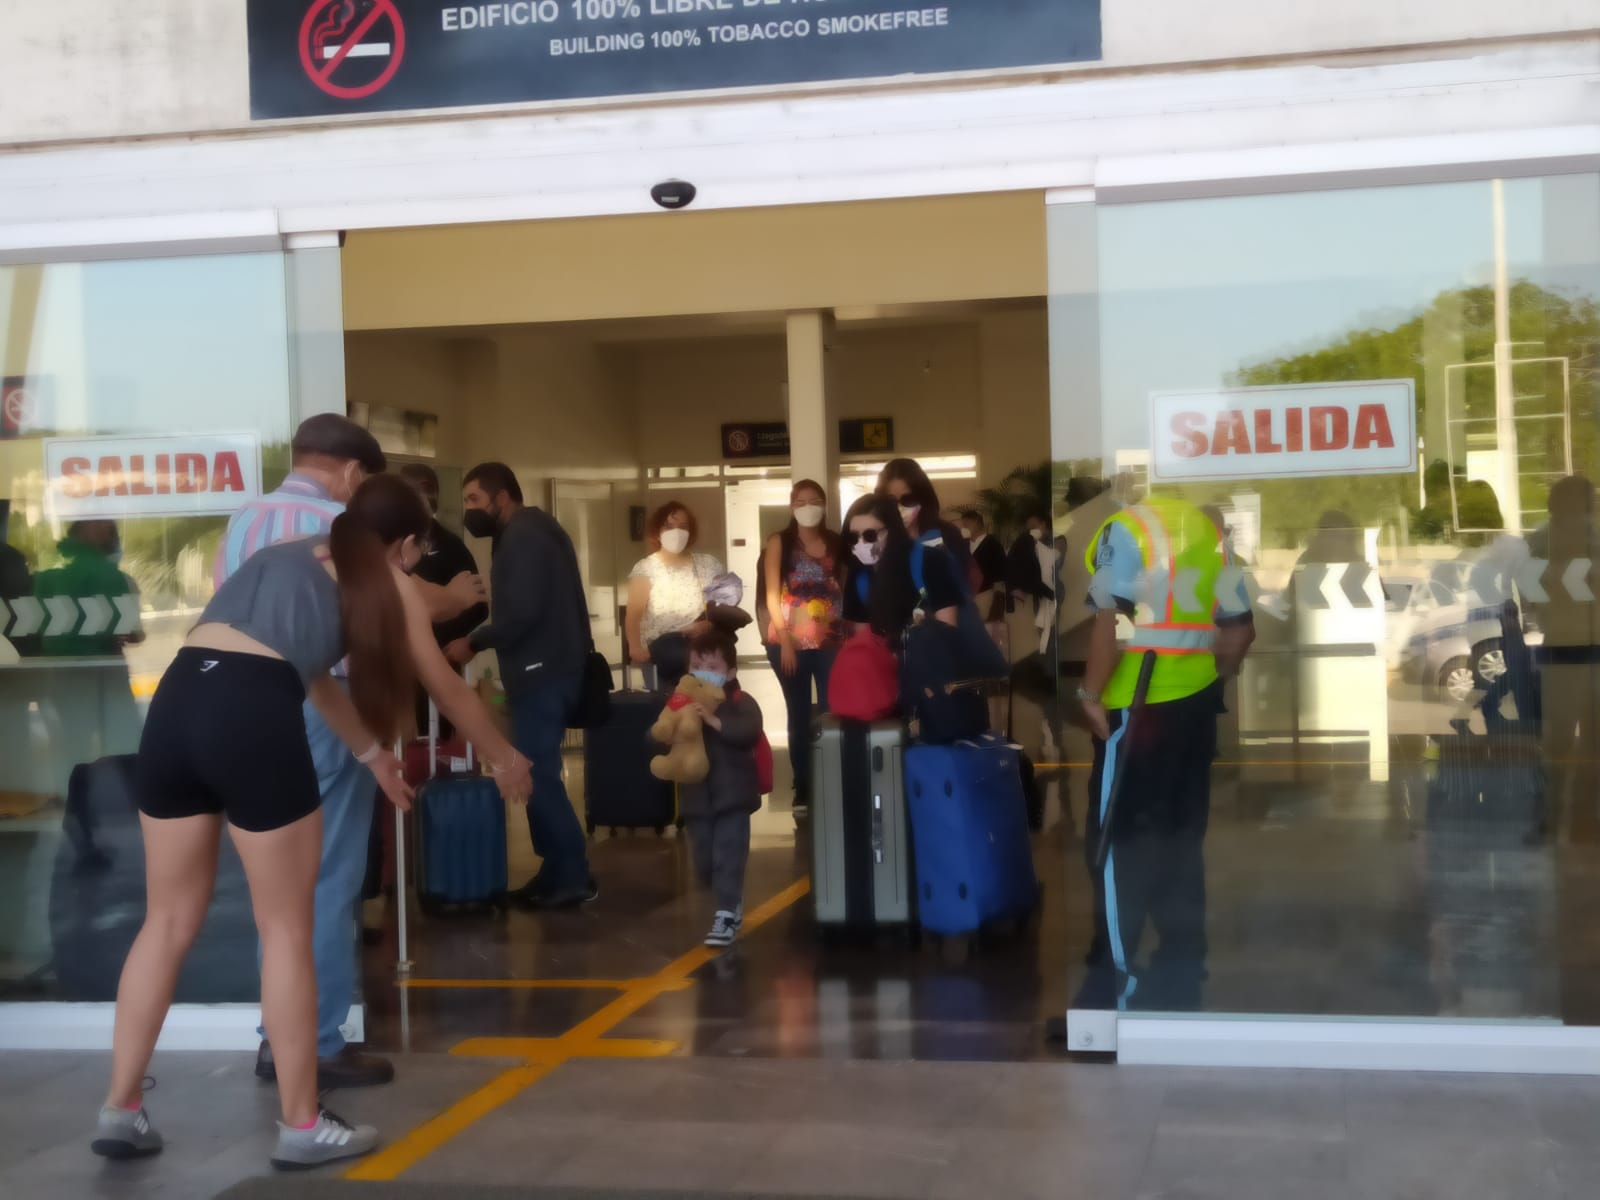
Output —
(724, 928)
(331, 1139)
(124, 1134)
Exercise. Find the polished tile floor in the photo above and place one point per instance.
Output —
(877, 1069)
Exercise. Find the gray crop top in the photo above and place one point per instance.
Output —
(284, 598)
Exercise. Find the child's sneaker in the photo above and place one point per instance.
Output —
(122, 1133)
(724, 928)
(331, 1139)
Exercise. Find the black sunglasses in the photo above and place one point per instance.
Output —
(869, 536)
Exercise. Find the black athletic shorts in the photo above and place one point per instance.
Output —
(226, 734)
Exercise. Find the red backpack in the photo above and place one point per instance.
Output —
(865, 682)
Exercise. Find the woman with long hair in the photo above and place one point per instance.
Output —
(882, 590)
(801, 581)
(905, 482)
(225, 743)
(667, 594)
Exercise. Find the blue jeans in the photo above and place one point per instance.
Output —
(538, 726)
(349, 793)
(809, 665)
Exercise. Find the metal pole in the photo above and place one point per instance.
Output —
(1505, 399)
(1147, 667)
(402, 966)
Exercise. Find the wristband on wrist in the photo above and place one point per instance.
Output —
(371, 755)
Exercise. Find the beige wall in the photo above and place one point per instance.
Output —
(930, 379)
(685, 391)
(1014, 350)
(102, 69)
(666, 264)
(554, 403)
(416, 374)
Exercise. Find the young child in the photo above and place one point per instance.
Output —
(717, 812)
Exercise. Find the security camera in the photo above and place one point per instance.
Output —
(674, 194)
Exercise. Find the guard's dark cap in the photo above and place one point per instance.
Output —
(334, 436)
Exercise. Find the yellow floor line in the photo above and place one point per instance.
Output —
(579, 1042)
(544, 1050)
(543, 985)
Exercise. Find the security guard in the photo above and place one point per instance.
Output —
(1157, 563)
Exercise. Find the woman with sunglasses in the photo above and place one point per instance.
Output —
(904, 481)
(881, 591)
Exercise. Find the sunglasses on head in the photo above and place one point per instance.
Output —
(866, 535)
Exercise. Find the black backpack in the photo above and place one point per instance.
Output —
(936, 685)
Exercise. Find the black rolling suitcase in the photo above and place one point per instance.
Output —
(619, 791)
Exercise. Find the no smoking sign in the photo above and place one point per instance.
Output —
(19, 408)
(351, 49)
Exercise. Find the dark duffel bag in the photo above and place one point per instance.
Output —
(619, 790)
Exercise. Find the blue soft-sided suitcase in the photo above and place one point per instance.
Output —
(461, 843)
(969, 835)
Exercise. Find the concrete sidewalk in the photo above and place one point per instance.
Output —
(851, 1128)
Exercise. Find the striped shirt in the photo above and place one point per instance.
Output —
(300, 508)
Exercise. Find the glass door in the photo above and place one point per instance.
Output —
(587, 511)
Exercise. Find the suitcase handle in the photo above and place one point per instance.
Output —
(877, 827)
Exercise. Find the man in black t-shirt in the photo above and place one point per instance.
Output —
(447, 556)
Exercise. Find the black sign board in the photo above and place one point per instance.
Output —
(764, 439)
(312, 58)
(872, 435)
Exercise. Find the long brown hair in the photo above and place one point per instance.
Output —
(383, 679)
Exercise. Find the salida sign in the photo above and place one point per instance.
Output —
(184, 475)
(1266, 432)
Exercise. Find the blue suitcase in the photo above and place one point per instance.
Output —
(461, 844)
(969, 835)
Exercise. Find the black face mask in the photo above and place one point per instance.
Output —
(480, 524)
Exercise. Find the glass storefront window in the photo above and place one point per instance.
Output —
(143, 400)
(1387, 397)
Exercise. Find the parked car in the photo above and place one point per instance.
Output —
(1441, 638)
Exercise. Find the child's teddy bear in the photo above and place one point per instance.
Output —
(680, 729)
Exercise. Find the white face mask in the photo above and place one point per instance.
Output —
(674, 541)
(1038, 534)
(868, 553)
(966, 533)
(810, 515)
(908, 514)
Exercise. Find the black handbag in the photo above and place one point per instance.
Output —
(594, 698)
(593, 708)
